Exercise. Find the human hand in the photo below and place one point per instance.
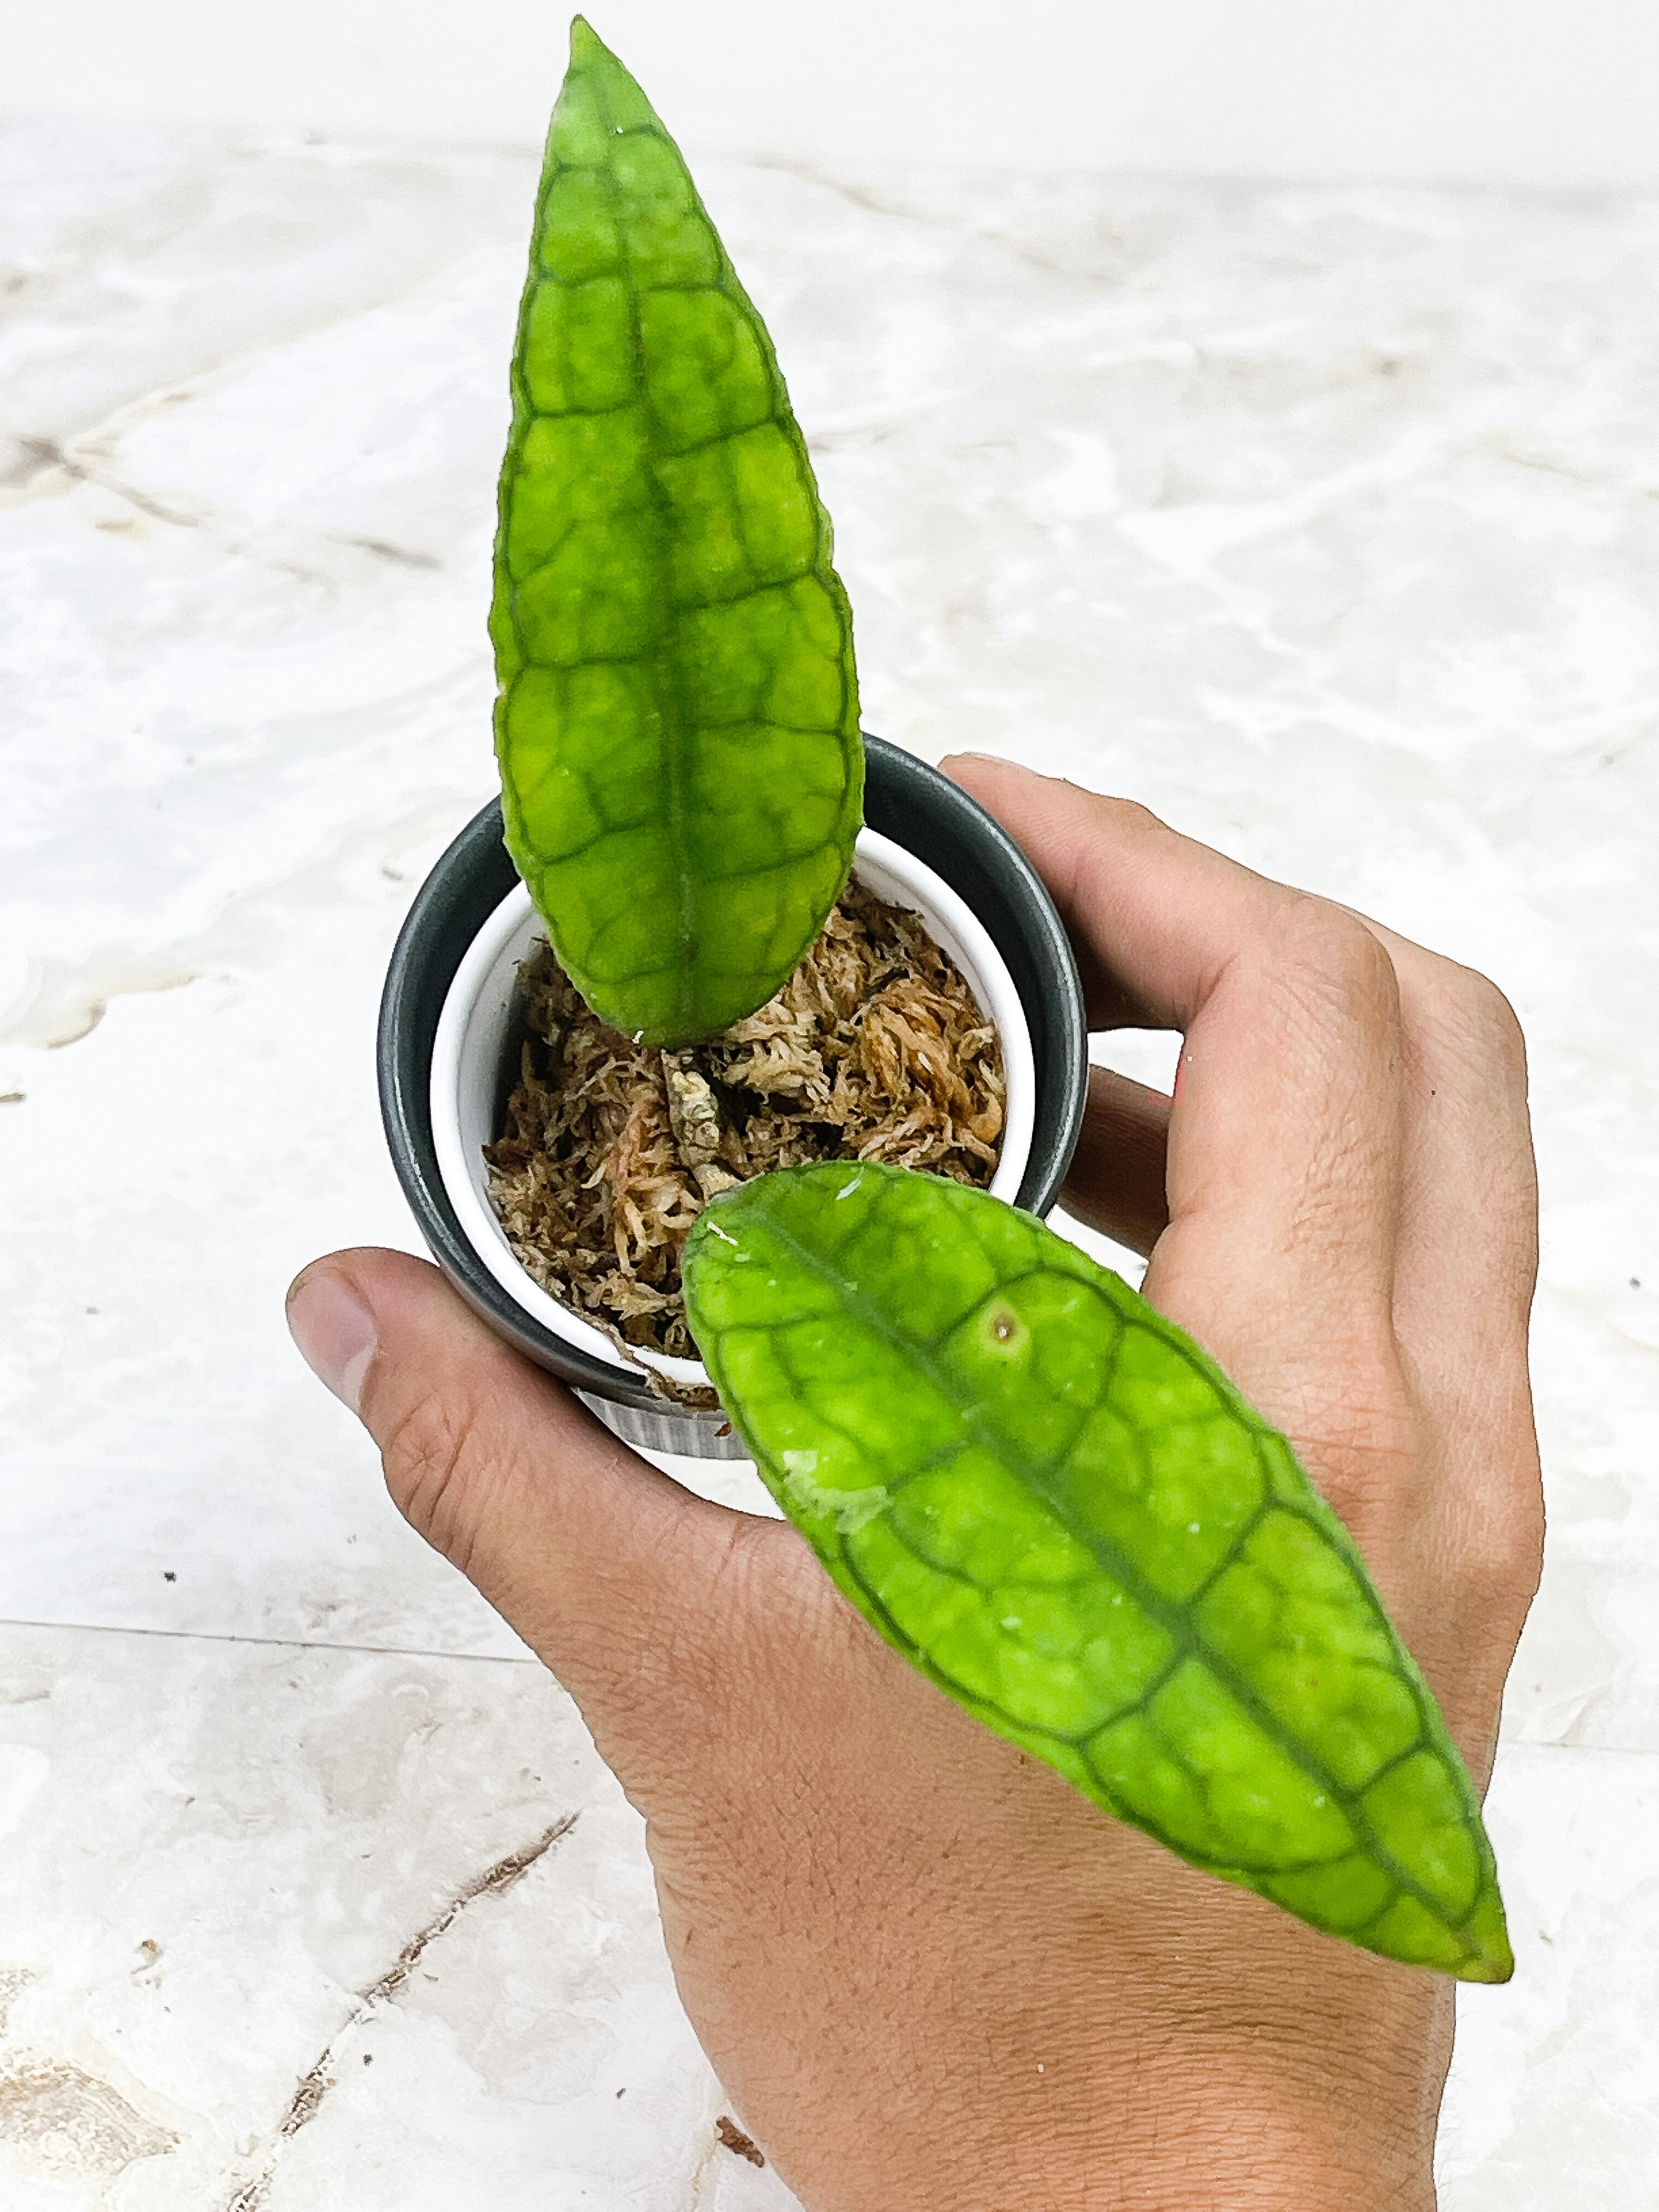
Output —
(929, 1974)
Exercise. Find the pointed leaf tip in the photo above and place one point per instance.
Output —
(1488, 1932)
(587, 48)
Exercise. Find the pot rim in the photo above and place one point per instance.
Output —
(903, 795)
(478, 1017)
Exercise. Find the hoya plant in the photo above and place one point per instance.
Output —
(678, 724)
(1037, 1489)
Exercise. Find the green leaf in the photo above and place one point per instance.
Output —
(1045, 1497)
(677, 723)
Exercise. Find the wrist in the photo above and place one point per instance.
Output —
(1218, 2154)
(1334, 2112)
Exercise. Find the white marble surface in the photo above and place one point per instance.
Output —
(1324, 521)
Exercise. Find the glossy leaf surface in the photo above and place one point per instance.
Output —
(1051, 1502)
(677, 722)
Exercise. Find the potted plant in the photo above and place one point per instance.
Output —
(684, 781)
(451, 1018)
(1032, 1484)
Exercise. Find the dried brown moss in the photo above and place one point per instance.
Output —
(873, 1050)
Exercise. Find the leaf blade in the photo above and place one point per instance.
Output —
(1051, 1502)
(677, 723)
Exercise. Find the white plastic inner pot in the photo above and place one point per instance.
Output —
(481, 1016)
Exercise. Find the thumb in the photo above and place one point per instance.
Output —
(601, 1563)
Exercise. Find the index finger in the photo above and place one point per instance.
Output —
(1285, 1154)
(1155, 915)
(1159, 916)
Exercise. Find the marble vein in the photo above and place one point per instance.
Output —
(319, 2078)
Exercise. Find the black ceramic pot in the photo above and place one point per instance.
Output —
(904, 799)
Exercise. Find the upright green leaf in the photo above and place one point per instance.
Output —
(677, 723)
(1052, 1503)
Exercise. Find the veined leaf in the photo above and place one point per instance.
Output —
(1045, 1497)
(677, 722)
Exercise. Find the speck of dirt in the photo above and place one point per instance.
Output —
(734, 2139)
(12, 1097)
(168, 1575)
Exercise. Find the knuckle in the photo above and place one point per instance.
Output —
(1478, 1021)
(1356, 1422)
(423, 1452)
(1510, 1563)
(1336, 951)
(1327, 979)
(1363, 1462)
(1129, 818)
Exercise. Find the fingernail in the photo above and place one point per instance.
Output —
(334, 1330)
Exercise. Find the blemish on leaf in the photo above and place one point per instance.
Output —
(849, 1510)
(1002, 1325)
